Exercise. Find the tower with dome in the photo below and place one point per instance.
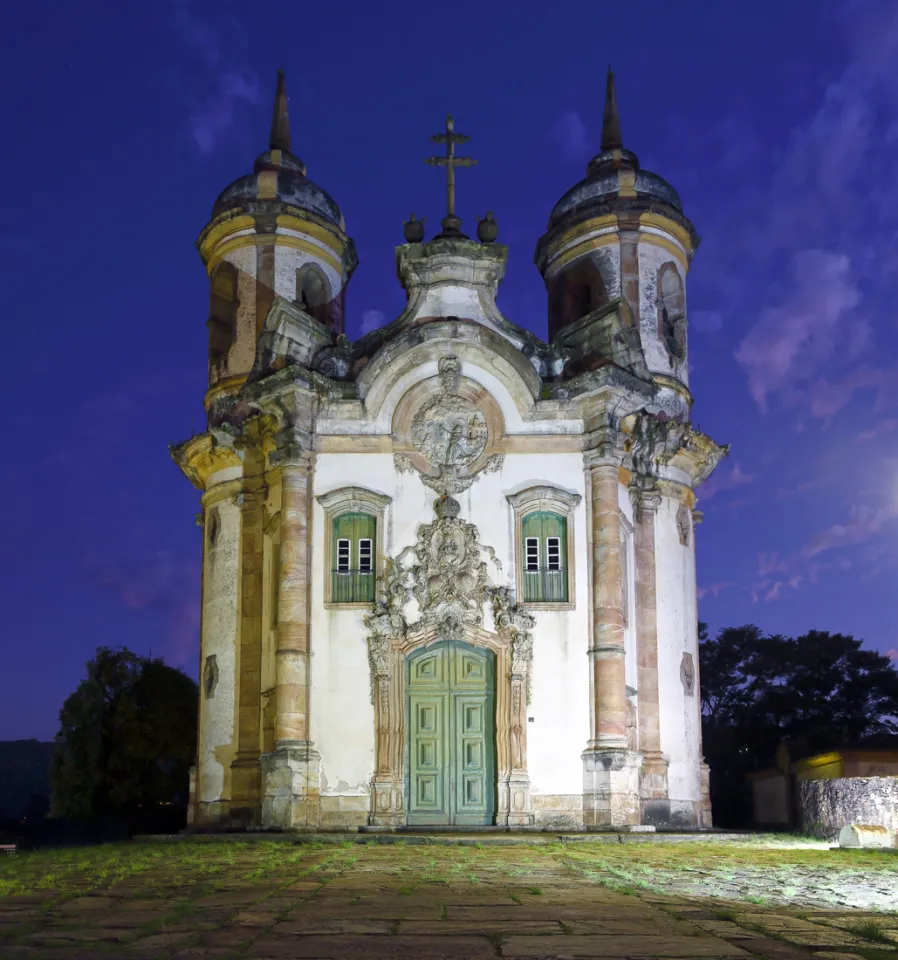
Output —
(449, 567)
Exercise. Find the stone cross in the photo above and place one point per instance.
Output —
(450, 161)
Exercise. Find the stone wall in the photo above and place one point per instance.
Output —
(825, 806)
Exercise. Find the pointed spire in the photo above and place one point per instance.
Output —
(280, 121)
(611, 138)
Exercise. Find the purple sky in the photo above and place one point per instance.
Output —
(777, 122)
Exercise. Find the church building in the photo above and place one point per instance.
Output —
(449, 567)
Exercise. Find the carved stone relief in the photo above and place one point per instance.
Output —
(687, 674)
(684, 524)
(210, 676)
(450, 434)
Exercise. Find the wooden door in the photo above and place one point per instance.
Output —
(451, 722)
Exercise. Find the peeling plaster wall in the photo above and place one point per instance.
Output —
(651, 259)
(677, 628)
(825, 806)
(217, 742)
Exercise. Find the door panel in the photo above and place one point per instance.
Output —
(451, 735)
(428, 794)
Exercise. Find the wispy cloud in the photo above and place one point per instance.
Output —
(881, 428)
(863, 523)
(164, 585)
(789, 343)
(726, 479)
(569, 133)
(371, 320)
(218, 85)
(715, 589)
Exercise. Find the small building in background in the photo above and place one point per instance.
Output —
(780, 801)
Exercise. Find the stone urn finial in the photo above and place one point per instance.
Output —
(487, 229)
(414, 229)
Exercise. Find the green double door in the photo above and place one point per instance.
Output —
(451, 699)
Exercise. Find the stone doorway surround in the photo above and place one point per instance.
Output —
(389, 804)
(444, 571)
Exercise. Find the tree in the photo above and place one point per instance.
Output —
(127, 737)
(819, 690)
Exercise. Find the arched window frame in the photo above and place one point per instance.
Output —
(575, 292)
(222, 322)
(347, 500)
(313, 270)
(545, 499)
(672, 312)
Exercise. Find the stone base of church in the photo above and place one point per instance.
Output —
(654, 798)
(705, 814)
(558, 811)
(515, 807)
(344, 813)
(388, 797)
(611, 788)
(290, 788)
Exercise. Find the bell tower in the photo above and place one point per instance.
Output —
(620, 234)
(274, 234)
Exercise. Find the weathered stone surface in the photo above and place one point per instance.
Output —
(865, 835)
(826, 806)
(341, 947)
(628, 945)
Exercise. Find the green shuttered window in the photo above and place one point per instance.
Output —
(544, 536)
(353, 557)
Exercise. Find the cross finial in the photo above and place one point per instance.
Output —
(451, 222)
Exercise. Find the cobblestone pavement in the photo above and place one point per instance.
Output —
(256, 901)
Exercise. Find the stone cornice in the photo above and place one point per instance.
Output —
(203, 456)
(696, 454)
(354, 500)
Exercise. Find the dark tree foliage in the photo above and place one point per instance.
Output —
(819, 691)
(126, 739)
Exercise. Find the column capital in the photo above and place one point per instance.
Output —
(605, 447)
(293, 448)
(645, 496)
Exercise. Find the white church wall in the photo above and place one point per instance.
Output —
(342, 720)
(219, 640)
(676, 635)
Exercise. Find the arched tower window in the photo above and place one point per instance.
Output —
(575, 293)
(222, 322)
(313, 293)
(672, 311)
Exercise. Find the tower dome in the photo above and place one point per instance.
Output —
(274, 234)
(279, 175)
(620, 234)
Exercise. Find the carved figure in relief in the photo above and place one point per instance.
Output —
(687, 674)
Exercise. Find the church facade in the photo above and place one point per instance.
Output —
(449, 568)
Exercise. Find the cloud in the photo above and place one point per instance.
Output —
(771, 563)
(215, 115)
(218, 85)
(790, 342)
(371, 320)
(570, 133)
(863, 523)
(881, 428)
(726, 480)
(164, 585)
(892, 654)
(770, 590)
(715, 589)
(827, 398)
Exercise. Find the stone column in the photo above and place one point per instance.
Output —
(653, 786)
(219, 634)
(611, 792)
(291, 771)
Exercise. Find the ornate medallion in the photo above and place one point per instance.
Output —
(449, 431)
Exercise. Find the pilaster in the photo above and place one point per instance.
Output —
(291, 791)
(653, 785)
(610, 779)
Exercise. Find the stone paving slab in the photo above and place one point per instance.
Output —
(366, 901)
